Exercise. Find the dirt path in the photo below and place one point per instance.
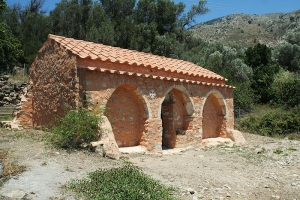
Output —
(265, 168)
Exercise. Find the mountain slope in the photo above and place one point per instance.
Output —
(249, 29)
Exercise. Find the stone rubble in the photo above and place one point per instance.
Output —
(10, 92)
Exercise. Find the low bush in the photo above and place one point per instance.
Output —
(126, 182)
(273, 123)
(75, 128)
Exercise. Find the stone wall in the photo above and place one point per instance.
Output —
(54, 83)
(179, 124)
(10, 92)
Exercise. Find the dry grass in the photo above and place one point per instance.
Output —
(12, 169)
(18, 74)
(9, 166)
(3, 154)
(18, 77)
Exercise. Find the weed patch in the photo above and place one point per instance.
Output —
(278, 151)
(291, 149)
(126, 182)
(9, 168)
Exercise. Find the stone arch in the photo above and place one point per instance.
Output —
(189, 101)
(221, 101)
(127, 112)
(175, 112)
(214, 114)
(138, 92)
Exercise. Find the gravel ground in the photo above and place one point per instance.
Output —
(264, 168)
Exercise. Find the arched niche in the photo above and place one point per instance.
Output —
(176, 110)
(127, 112)
(214, 114)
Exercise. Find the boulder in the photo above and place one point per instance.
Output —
(237, 137)
(107, 144)
(218, 141)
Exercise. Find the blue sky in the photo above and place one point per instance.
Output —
(218, 8)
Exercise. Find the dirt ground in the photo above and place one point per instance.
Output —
(264, 168)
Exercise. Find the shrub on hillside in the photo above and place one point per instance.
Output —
(273, 124)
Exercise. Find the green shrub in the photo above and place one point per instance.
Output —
(75, 128)
(126, 182)
(273, 123)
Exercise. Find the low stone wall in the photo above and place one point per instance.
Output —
(10, 92)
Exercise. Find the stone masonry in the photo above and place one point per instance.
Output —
(149, 100)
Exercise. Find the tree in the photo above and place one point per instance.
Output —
(154, 26)
(260, 60)
(10, 47)
(30, 25)
(197, 9)
(119, 14)
(286, 89)
(288, 54)
(244, 96)
(258, 55)
(240, 72)
(66, 19)
(100, 29)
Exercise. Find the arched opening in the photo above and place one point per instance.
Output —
(175, 117)
(213, 116)
(127, 113)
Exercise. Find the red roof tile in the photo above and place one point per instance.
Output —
(102, 52)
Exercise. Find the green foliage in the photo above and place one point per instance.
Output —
(2, 6)
(6, 118)
(273, 123)
(73, 129)
(126, 182)
(243, 96)
(227, 61)
(100, 29)
(293, 37)
(152, 26)
(259, 58)
(258, 55)
(30, 25)
(278, 151)
(240, 71)
(292, 149)
(10, 49)
(286, 89)
(288, 56)
(197, 9)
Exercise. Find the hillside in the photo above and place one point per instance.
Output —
(249, 29)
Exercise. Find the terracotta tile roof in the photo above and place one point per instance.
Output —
(156, 77)
(94, 51)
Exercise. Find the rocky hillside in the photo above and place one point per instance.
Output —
(248, 29)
